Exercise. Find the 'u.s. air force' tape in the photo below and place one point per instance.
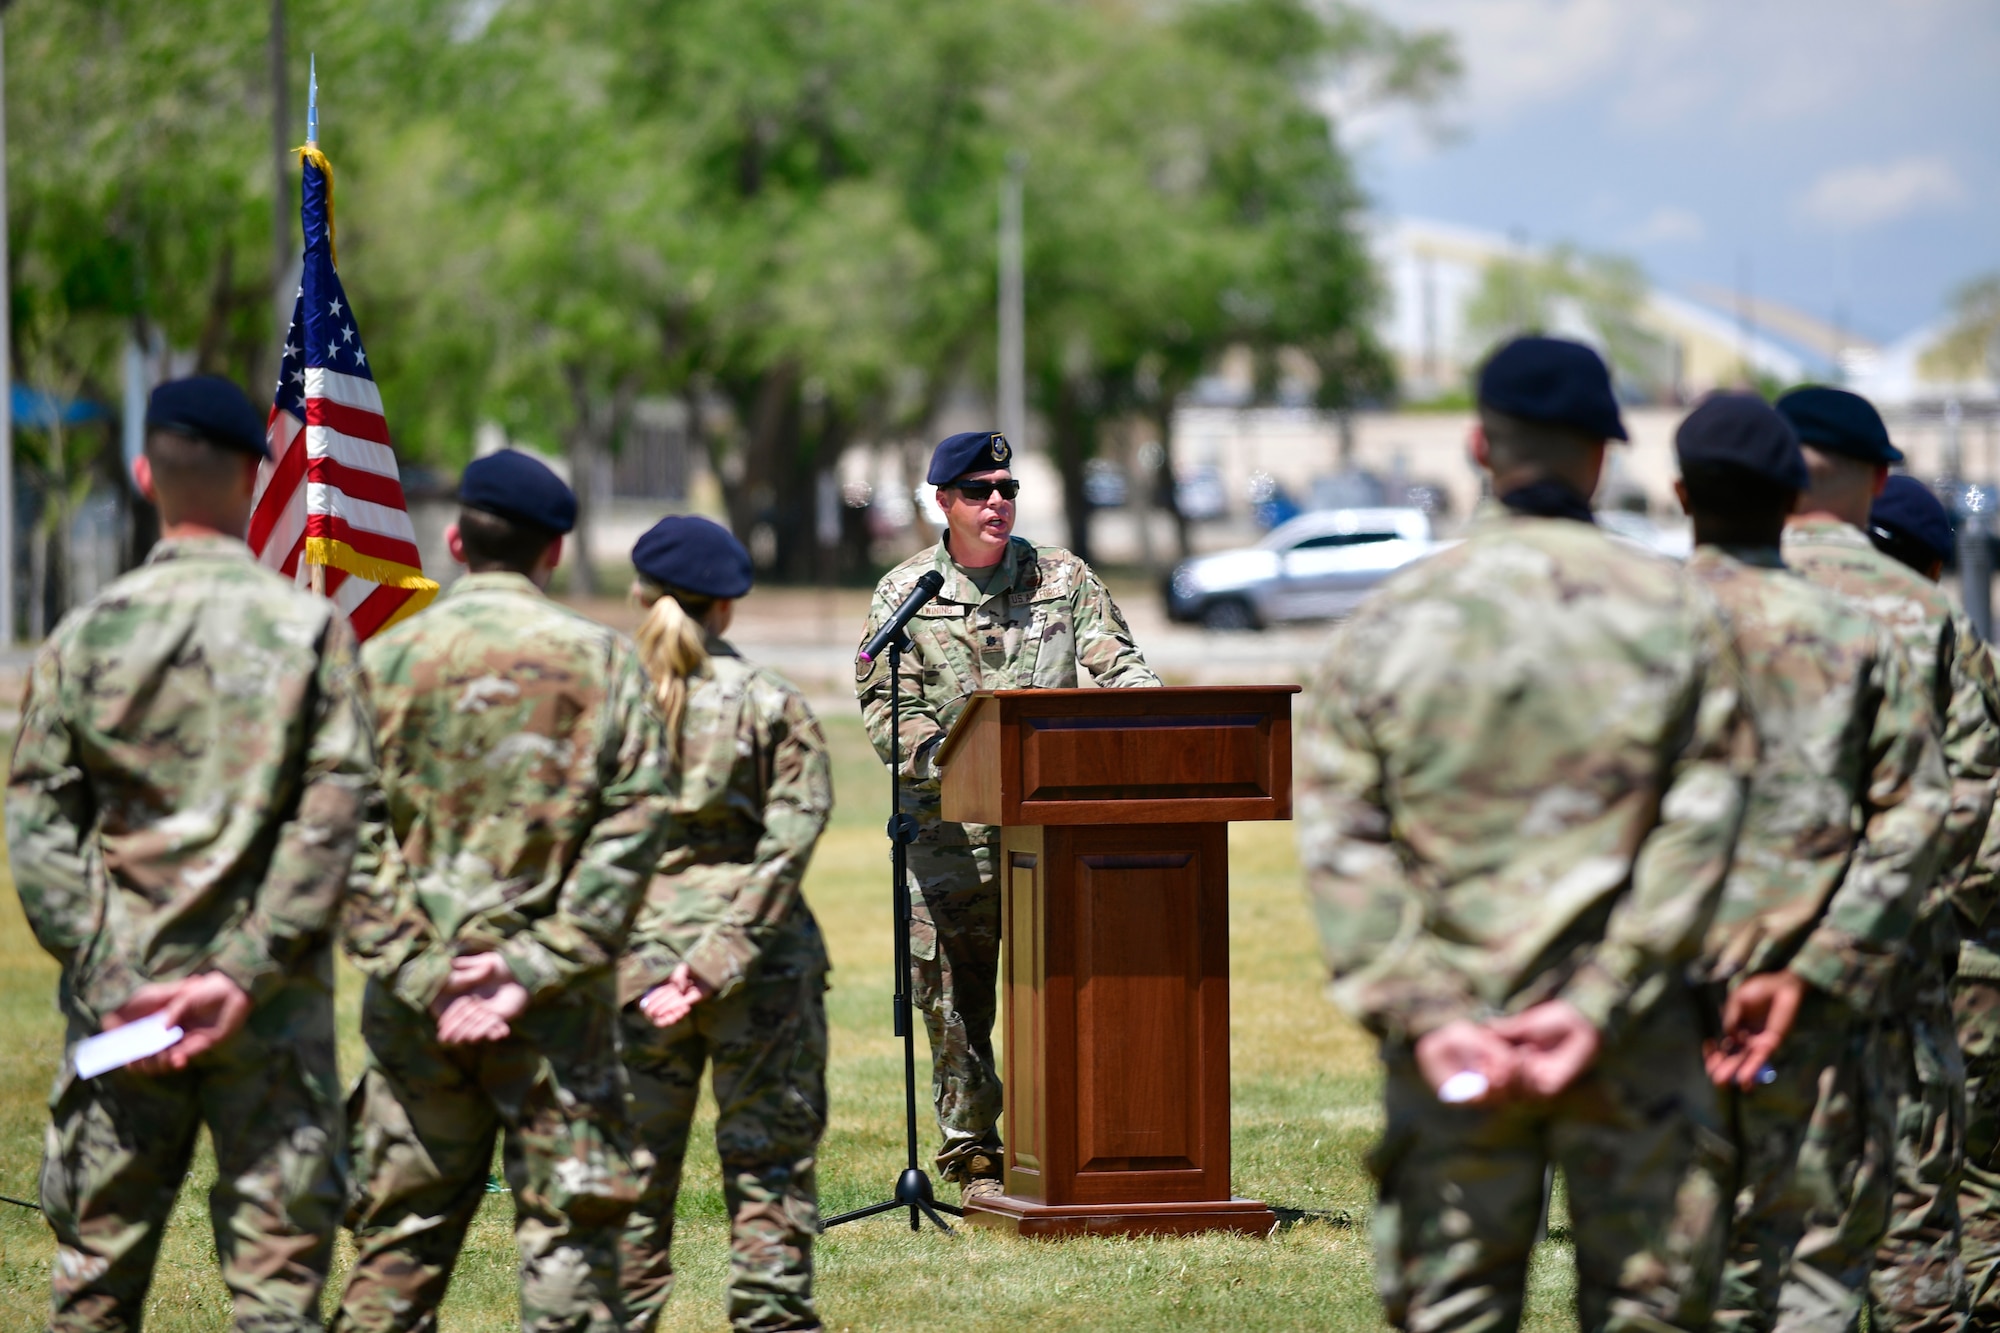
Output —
(121, 1046)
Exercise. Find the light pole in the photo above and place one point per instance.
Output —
(284, 216)
(1013, 356)
(6, 372)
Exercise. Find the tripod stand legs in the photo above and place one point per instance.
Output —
(913, 1191)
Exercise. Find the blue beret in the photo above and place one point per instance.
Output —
(1743, 431)
(968, 451)
(513, 485)
(210, 408)
(1908, 509)
(1552, 381)
(1839, 422)
(694, 555)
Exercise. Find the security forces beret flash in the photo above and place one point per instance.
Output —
(210, 408)
(968, 451)
(1908, 511)
(513, 485)
(693, 555)
(1552, 381)
(1838, 422)
(1742, 431)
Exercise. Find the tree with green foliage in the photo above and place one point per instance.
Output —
(780, 210)
(1571, 292)
(1969, 348)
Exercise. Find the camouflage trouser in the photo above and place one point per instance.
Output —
(1816, 1153)
(954, 979)
(119, 1147)
(768, 1044)
(1919, 1281)
(1639, 1140)
(424, 1117)
(1976, 1005)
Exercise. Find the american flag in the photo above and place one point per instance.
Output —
(332, 494)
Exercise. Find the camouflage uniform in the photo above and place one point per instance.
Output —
(751, 793)
(520, 759)
(1839, 847)
(1976, 1015)
(1520, 773)
(1976, 1011)
(195, 758)
(1918, 1283)
(1043, 615)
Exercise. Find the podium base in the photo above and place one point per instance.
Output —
(1025, 1217)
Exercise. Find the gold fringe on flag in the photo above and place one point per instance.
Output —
(337, 554)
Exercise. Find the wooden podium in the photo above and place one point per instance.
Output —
(1114, 865)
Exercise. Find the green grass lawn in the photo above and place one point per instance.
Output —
(1305, 1113)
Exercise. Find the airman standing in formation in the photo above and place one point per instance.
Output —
(1918, 1282)
(1519, 779)
(726, 966)
(1907, 523)
(521, 756)
(1012, 615)
(1839, 847)
(194, 770)
(1825, 861)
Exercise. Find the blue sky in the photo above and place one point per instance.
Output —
(1844, 154)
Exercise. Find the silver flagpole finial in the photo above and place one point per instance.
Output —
(312, 101)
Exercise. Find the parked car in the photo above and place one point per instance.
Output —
(1315, 567)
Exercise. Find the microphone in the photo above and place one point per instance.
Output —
(928, 585)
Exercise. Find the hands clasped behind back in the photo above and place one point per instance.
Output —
(673, 999)
(479, 1002)
(1536, 1054)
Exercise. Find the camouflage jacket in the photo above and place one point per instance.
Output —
(520, 756)
(1840, 834)
(1045, 614)
(1958, 677)
(194, 766)
(1520, 772)
(750, 790)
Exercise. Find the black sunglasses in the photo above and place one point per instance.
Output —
(980, 490)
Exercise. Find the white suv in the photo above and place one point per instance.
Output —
(1315, 567)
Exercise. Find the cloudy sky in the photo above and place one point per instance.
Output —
(1844, 154)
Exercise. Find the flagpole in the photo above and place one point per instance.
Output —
(315, 572)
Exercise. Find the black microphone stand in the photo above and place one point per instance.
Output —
(913, 1187)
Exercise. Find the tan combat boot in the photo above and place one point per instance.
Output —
(982, 1178)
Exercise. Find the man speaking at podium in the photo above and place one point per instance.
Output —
(1011, 615)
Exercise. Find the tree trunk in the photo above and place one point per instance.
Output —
(1075, 428)
(582, 467)
(1167, 494)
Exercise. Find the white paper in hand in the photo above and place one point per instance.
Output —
(1464, 1086)
(121, 1046)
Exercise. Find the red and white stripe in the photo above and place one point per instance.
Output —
(334, 476)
